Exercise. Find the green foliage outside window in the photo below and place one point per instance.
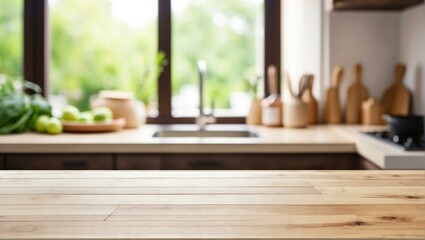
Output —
(91, 51)
(11, 42)
(205, 31)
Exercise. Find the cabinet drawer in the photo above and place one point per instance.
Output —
(138, 162)
(1, 162)
(201, 162)
(300, 162)
(259, 162)
(59, 162)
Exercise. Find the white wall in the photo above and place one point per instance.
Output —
(315, 39)
(412, 52)
(301, 28)
(370, 38)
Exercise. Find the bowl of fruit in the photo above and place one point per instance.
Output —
(95, 121)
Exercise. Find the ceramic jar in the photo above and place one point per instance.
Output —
(295, 113)
(123, 105)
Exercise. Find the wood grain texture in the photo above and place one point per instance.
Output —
(212, 204)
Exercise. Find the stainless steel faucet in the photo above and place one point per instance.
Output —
(203, 119)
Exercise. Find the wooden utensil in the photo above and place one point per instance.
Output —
(254, 114)
(372, 112)
(357, 93)
(272, 109)
(302, 86)
(308, 98)
(295, 110)
(332, 109)
(396, 99)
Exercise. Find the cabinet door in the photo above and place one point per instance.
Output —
(1, 162)
(138, 162)
(259, 162)
(202, 162)
(301, 161)
(59, 162)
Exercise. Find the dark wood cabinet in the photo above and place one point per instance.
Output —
(138, 162)
(376, 5)
(1, 162)
(185, 162)
(260, 161)
(59, 162)
(202, 162)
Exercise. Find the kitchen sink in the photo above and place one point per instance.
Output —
(211, 131)
(205, 133)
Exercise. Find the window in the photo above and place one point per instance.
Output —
(76, 48)
(100, 44)
(228, 36)
(11, 31)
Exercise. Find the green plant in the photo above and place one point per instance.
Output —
(143, 86)
(18, 110)
(251, 85)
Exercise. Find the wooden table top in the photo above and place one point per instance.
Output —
(212, 204)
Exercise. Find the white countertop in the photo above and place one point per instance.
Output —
(314, 139)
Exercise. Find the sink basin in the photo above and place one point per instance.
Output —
(206, 133)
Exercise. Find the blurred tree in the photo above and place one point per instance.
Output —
(92, 51)
(222, 33)
(11, 31)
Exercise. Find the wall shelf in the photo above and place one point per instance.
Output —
(375, 5)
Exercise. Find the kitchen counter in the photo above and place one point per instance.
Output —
(314, 139)
(212, 204)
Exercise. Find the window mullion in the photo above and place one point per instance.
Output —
(36, 43)
(164, 45)
(272, 41)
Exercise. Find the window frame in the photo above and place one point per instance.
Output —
(37, 53)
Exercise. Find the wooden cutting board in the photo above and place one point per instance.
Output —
(332, 107)
(357, 93)
(372, 112)
(396, 99)
(308, 98)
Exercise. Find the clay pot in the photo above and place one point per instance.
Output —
(123, 105)
(296, 113)
(295, 110)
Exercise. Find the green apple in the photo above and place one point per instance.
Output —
(41, 124)
(85, 117)
(70, 113)
(102, 114)
(54, 126)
